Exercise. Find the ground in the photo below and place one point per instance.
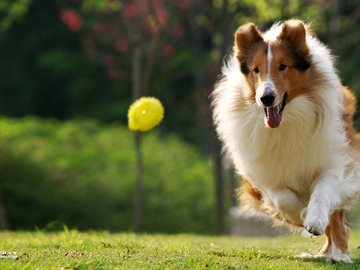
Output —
(73, 250)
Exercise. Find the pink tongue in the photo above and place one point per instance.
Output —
(273, 117)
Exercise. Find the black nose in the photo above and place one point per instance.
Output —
(268, 98)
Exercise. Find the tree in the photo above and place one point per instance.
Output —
(140, 19)
(97, 51)
(12, 11)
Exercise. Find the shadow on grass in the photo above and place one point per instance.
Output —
(322, 261)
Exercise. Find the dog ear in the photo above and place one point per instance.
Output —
(246, 36)
(294, 33)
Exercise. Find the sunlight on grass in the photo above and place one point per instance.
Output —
(93, 250)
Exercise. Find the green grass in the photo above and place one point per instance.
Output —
(94, 250)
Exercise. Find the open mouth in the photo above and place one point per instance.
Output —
(273, 114)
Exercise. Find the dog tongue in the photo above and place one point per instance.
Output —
(273, 117)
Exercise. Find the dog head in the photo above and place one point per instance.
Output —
(276, 68)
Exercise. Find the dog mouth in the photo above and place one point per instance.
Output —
(273, 115)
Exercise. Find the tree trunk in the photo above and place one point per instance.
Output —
(4, 223)
(234, 184)
(138, 182)
(216, 146)
(136, 93)
(219, 188)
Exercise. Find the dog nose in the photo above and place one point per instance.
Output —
(268, 98)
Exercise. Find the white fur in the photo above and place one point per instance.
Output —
(269, 59)
(334, 253)
(302, 158)
(288, 204)
(268, 83)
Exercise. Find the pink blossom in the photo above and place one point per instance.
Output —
(169, 51)
(178, 31)
(162, 15)
(72, 19)
(130, 10)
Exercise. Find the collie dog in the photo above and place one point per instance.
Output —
(286, 122)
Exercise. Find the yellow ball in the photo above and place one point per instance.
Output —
(145, 113)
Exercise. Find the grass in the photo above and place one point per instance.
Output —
(72, 250)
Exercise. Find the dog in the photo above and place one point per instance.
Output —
(286, 122)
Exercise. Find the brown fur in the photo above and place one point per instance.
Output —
(350, 109)
(249, 195)
(337, 233)
(245, 37)
(248, 45)
(294, 33)
(289, 49)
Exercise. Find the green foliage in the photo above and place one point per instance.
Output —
(103, 5)
(49, 73)
(12, 11)
(53, 70)
(265, 11)
(74, 250)
(81, 173)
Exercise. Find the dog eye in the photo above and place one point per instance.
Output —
(256, 70)
(282, 67)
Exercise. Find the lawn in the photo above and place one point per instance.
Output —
(101, 250)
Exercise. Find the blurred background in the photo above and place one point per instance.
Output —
(69, 71)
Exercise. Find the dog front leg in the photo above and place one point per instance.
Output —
(288, 204)
(325, 198)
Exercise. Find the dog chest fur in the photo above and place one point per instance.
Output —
(291, 156)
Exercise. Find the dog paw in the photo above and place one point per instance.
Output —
(342, 258)
(336, 254)
(316, 224)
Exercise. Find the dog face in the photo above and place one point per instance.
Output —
(276, 70)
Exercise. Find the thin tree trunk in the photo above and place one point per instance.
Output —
(136, 93)
(4, 223)
(138, 177)
(219, 188)
(136, 73)
(233, 187)
(216, 146)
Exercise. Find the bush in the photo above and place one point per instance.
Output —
(81, 173)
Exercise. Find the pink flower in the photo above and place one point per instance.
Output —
(130, 10)
(178, 31)
(162, 16)
(72, 19)
(169, 51)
